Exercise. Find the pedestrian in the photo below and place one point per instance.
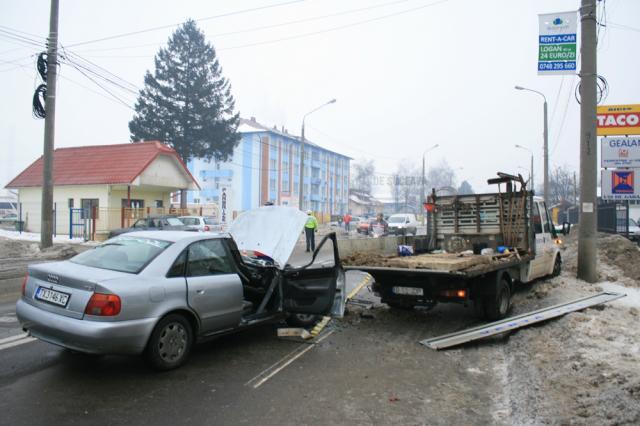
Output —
(347, 221)
(380, 227)
(310, 228)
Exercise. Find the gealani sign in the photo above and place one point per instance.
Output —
(620, 152)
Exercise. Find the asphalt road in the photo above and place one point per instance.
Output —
(367, 368)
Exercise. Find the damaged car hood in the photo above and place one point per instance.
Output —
(272, 230)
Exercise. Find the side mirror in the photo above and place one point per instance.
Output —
(566, 228)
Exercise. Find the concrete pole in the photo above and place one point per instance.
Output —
(587, 249)
(546, 155)
(422, 200)
(46, 223)
(532, 185)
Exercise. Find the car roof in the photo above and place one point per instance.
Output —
(175, 236)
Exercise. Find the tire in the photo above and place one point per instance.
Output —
(170, 343)
(302, 320)
(405, 306)
(495, 305)
(557, 266)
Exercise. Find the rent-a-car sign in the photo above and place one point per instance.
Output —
(620, 152)
(618, 120)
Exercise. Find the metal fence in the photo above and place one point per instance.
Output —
(613, 218)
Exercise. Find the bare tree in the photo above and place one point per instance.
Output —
(362, 175)
(441, 176)
(562, 187)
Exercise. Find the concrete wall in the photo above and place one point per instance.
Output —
(385, 245)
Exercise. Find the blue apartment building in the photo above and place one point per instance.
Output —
(265, 167)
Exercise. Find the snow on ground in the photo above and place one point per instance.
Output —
(583, 368)
(32, 236)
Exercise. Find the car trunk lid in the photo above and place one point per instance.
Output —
(64, 287)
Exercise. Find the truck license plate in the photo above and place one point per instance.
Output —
(409, 291)
(52, 296)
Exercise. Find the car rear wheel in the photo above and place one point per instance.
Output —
(170, 343)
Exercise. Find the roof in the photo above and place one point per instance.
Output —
(97, 164)
(252, 126)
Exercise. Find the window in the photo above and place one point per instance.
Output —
(272, 184)
(70, 203)
(177, 269)
(537, 220)
(125, 254)
(272, 164)
(208, 257)
(91, 207)
(158, 204)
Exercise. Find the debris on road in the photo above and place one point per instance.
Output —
(294, 333)
(519, 321)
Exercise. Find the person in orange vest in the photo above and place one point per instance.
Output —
(347, 221)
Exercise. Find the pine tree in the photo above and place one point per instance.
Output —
(187, 103)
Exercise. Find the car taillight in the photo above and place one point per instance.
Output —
(105, 305)
(206, 228)
(24, 283)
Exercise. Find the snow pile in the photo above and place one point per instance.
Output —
(32, 236)
(584, 367)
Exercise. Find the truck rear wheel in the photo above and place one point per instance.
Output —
(496, 304)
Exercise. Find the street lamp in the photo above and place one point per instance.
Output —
(422, 200)
(530, 171)
(301, 187)
(546, 142)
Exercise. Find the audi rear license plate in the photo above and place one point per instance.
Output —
(52, 296)
(408, 291)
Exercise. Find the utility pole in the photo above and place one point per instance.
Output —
(575, 189)
(546, 154)
(587, 250)
(46, 223)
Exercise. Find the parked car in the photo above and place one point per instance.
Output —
(363, 227)
(160, 223)
(201, 223)
(156, 293)
(9, 219)
(403, 224)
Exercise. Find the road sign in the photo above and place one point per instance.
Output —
(557, 43)
(618, 120)
(620, 185)
(620, 152)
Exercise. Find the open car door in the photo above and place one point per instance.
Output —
(317, 288)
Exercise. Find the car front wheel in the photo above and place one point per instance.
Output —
(170, 343)
(302, 320)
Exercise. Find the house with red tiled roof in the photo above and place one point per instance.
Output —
(104, 179)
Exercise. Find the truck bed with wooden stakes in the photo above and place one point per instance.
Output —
(478, 247)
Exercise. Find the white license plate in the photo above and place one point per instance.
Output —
(409, 291)
(51, 296)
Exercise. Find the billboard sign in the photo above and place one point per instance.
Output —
(620, 185)
(620, 152)
(557, 43)
(618, 120)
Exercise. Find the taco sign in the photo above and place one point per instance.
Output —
(618, 120)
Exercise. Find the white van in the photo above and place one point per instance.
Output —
(403, 224)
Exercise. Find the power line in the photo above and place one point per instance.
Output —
(270, 26)
(162, 27)
(99, 71)
(340, 27)
(21, 32)
(101, 86)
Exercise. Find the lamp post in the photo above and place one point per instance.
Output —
(422, 194)
(546, 142)
(531, 170)
(301, 184)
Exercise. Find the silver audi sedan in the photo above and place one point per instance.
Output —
(156, 293)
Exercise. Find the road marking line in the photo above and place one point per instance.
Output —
(274, 369)
(8, 319)
(17, 342)
(12, 338)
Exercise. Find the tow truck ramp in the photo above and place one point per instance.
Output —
(519, 321)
